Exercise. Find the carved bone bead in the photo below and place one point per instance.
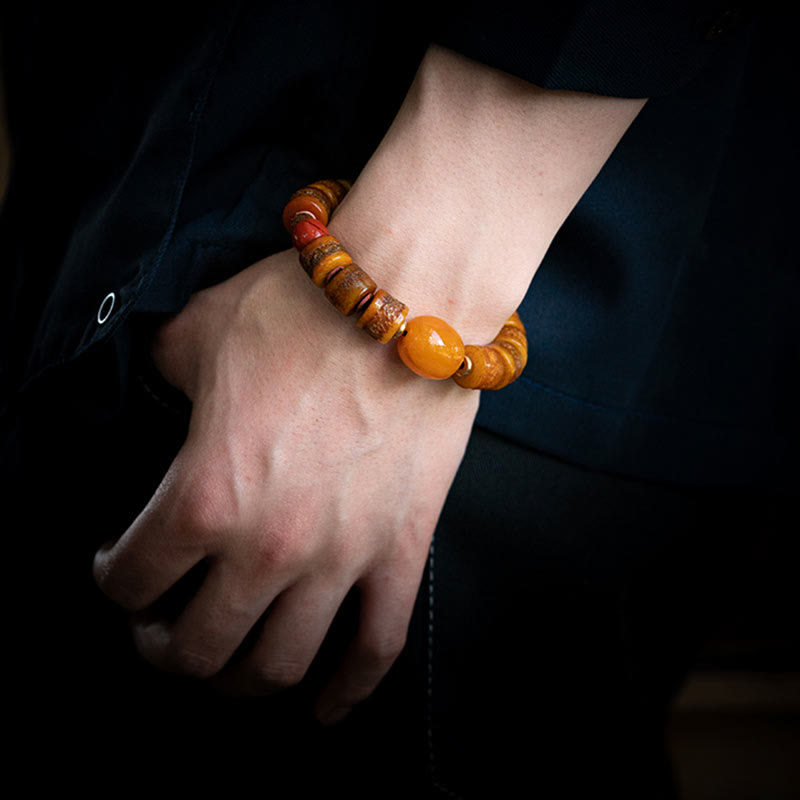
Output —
(348, 287)
(383, 317)
(322, 256)
(307, 199)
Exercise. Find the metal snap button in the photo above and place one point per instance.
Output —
(106, 307)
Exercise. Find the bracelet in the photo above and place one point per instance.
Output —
(427, 345)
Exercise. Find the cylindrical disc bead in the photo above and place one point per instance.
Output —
(487, 368)
(322, 256)
(431, 347)
(508, 363)
(307, 199)
(348, 287)
(499, 363)
(515, 322)
(513, 337)
(333, 190)
(515, 341)
(383, 317)
(305, 230)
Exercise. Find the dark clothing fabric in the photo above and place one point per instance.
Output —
(566, 590)
(559, 610)
(663, 321)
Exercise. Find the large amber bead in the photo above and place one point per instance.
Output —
(431, 348)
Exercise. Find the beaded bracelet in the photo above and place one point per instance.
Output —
(428, 346)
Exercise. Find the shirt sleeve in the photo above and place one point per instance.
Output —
(610, 47)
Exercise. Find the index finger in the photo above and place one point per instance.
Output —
(162, 544)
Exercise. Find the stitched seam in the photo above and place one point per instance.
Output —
(431, 753)
(431, 759)
(153, 396)
(157, 398)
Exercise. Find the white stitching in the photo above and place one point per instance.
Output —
(431, 756)
(430, 660)
(154, 395)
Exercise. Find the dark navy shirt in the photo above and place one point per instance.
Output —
(155, 159)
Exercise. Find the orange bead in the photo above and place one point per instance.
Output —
(431, 348)
(349, 287)
(495, 365)
(333, 190)
(321, 256)
(310, 200)
(383, 317)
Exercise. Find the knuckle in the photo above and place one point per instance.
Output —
(281, 675)
(280, 551)
(381, 651)
(204, 509)
(103, 574)
(187, 659)
(200, 509)
(124, 593)
(347, 557)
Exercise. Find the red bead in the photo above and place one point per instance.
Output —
(306, 230)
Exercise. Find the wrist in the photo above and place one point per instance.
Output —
(436, 265)
(456, 209)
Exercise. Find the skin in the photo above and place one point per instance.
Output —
(315, 460)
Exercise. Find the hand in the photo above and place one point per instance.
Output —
(315, 462)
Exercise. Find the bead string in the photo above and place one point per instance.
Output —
(427, 345)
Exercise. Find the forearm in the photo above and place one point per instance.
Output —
(458, 205)
(315, 460)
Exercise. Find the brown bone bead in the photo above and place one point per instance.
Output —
(499, 363)
(333, 190)
(383, 317)
(323, 255)
(348, 287)
(514, 322)
(513, 336)
(308, 199)
(508, 364)
(513, 340)
(487, 368)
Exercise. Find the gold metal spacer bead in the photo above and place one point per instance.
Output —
(465, 368)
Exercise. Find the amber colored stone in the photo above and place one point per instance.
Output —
(487, 368)
(497, 364)
(348, 287)
(307, 199)
(333, 190)
(383, 317)
(431, 347)
(508, 364)
(306, 230)
(514, 322)
(514, 340)
(322, 256)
